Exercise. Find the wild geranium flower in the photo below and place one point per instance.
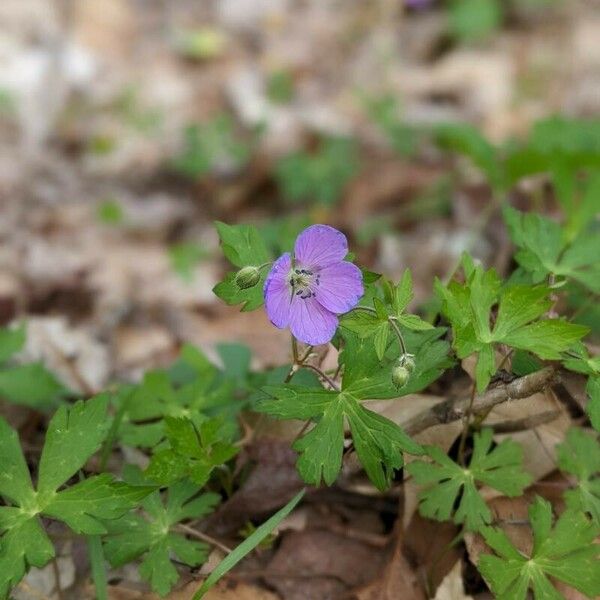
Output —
(308, 291)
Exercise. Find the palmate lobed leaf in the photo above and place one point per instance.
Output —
(444, 480)
(73, 435)
(468, 307)
(546, 248)
(579, 455)
(375, 324)
(194, 452)
(378, 441)
(153, 536)
(565, 552)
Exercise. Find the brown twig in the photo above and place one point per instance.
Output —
(452, 410)
(204, 537)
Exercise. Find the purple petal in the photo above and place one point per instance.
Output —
(277, 291)
(320, 245)
(340, 287)
(310, 322)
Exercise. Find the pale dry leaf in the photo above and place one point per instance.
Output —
(452, 587)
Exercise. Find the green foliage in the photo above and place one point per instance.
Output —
(193, 388)
(402, 137)
(212, 147)
(467, 140)
(518, 323)
(319, 177)
(473, 20)
(26, 384)
(446, 481)
(154, 536)
(110, 212)
(545, 249)
(565, 552)
(73, 435)
(184, 257)
(194, 452)
(379, 442)
(579, 455)
(243, 246)
(280, 86)
(377, 322)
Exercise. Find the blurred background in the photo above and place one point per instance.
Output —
(128, 126)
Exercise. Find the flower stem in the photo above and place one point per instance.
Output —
(394, 323)
(322, 375)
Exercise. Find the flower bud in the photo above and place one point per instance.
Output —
(408, 362)
(400, 376)
(247, 277)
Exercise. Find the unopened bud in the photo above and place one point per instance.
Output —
(247, 277)
(408, 362)
(400, 376)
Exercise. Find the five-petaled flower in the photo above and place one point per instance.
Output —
(308, 291)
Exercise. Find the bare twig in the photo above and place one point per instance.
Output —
(204, 537)
(452, 410)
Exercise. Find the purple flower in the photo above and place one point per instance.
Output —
(307, 292)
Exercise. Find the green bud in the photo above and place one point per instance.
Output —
(247, 277)
(400, 376)
(408, 362)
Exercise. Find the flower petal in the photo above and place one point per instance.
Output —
(310, 322)
(277, 291)
(320, 245)
(340, 287)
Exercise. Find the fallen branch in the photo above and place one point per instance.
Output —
(452, 409)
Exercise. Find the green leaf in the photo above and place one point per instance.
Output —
(195, 451)
(193, 386)
(579, 455)
(184, 257)
(242, 244)
(83, 505)
(73, 436)
(250, 298)
(378, 441)
(30, 385)
(248, 545)
(565, 552)
(211, 146)
(321, 176)
(472, 20)
(24, 545)
(593, 407)
(467, 139)
(445, 480)
(545, 248)
(154, 537)
(546, 338)
(12, 341)
(469, 308)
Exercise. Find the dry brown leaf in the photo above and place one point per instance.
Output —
(428, 544)
(452, 587)
(397, 580)
(321, 564)
(539, 443)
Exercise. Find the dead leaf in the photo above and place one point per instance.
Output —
(452, 587)
(397, 579)
(539, 444)
(321, 564)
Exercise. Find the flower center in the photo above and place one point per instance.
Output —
(302, 281)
